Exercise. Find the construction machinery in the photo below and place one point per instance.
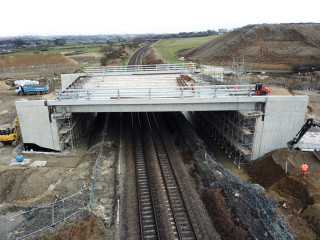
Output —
(8, 134)
(261, 90)
(32, 89)
(309, 123)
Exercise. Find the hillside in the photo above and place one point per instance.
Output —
(8, 61)
(266, 46)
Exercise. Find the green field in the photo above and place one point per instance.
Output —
(166, 48)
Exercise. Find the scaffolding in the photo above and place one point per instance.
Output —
(71, 126)
(232, 130)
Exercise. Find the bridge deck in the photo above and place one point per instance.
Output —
(148, 86)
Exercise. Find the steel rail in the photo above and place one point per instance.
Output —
(147, 215)
(136, 58)
(183, 225)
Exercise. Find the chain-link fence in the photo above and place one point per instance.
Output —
(247, 202)
(30, 222)
(97, 164)
(35, 220)
(38, 68)
(4, 227)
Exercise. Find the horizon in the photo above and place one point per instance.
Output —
(149, 33)
(61, 18)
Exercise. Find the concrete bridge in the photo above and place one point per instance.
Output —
(53, 124)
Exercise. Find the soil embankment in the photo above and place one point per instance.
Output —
(35, 60)
(297, 197)
(264, 46)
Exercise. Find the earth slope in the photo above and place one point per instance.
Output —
(266, 46)
(35, 60)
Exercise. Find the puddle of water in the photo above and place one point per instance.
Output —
(227, 162)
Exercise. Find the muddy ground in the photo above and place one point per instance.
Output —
(64, 174)
(298, 197)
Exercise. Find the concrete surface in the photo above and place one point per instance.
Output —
(36, 124)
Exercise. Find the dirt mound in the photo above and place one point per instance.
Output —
(3, 86)
(268, 46)
(298, 197)
(8, 61)
(23, 185)
(90, 229)
(151, 56)
(265, 172)
(221, 215)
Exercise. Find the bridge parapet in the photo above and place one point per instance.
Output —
(169, 92)
(154, 68)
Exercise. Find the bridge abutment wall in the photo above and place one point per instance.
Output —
(283, 118)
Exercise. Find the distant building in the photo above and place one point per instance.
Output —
(222, 30)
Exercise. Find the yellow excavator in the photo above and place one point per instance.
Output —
(8, 134)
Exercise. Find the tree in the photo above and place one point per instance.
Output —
(137, 41)
(59, 41)
(19, 42)
(110, 53)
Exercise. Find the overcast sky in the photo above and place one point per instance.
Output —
(61, 17)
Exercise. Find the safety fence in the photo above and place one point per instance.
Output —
(247, 201)
(154, 68)
(37, 68)
(28, 223)
(97, 164)
(169, 92)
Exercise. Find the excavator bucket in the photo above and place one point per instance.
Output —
(290, 146)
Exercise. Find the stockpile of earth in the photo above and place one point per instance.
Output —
(8, 61)
(298, 197)
(265, 46)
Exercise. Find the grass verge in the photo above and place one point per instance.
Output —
(167, 48)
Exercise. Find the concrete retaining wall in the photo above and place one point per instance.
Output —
(284, 117)
(67, 79)
(36, 126)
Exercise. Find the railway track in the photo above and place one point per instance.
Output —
(184, 229)
(147, 189)
(162, 212)
(147, 217)
(137, 57)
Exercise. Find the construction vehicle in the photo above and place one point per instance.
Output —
(8, 134)
(309, 123)
(32, 89)
(261, 90)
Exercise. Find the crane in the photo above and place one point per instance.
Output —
(309, 123)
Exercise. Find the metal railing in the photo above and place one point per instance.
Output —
(178, 67)
(209, 91)
(27, 223)
(43, 67)
(97, 164)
